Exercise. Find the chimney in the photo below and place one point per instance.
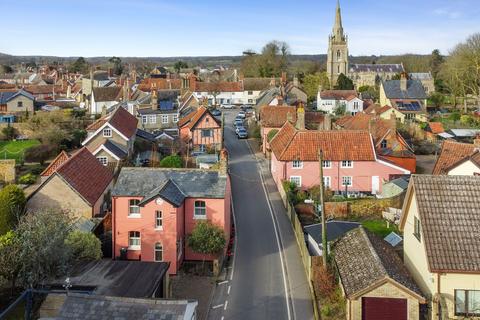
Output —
(280, 101)
(223, 170)
(235, 75)
(476, 141)
(295, 81)
(110, 72)
(69, 91)
(154, 100)
(326, 124)
(393, 120)
(192, 82)
(300, 124)
(289, 117)
(284, 77)
(403, 81)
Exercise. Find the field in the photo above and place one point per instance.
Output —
(15, 149)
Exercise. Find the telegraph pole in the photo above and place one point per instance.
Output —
(322, 208)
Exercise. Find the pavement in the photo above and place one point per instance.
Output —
(265, 279)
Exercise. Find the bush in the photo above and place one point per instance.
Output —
(84, 246)
(28, 178)
(172, 161)
(12, 205)
(9, 132)
(271, 134)
(40, 153)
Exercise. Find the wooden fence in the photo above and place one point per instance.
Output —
(308, 261)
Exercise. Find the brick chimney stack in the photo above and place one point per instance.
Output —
(154, 100)
(223, 170)
(300, 125)
(403, 81)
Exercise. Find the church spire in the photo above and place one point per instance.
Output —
(338, 28)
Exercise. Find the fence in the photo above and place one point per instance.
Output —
(308, 261)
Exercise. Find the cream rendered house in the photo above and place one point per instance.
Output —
(440, 224)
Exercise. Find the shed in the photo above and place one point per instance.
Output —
(335, 229)
(394, 187)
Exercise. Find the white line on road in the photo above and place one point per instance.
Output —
(217, 306)
(222, 318)
(228, 290)
(223, 282)
(226, 304)
(280, 249)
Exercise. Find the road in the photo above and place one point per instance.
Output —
(266, 279)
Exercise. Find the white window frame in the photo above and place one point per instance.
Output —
(175, 118)
(327, 164)
(164, 118)
(299, 178)
(158, 220)
(152, 118)
(107, 132)
(134, 238)
(297, 164)
(327, 181)
(103, 160)
(144, 119)
(200, 208)
(347, 185)
(383, 144)
(348, 164)
(155, 250)
(131, 206)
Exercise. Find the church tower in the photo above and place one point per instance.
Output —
(337, 57)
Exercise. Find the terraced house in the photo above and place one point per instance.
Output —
(154, 209)
(350, 161)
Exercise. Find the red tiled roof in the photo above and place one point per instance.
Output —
(290, 144)
(107, 93)
(276, 116)
(451, 153)
(436, 127)
(159, 84)
(120, 119)
(376, 109)
(192, 119)
(57, 162)
(339, 94)
(86, 175)
(218, 86)
(44, 89)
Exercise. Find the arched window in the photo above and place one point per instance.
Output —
(158, 252)
(339, 54)
(338, 69)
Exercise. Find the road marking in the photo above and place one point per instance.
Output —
(280, 249)
(226, 304)
(223, 282)
(235, 239)
(228, 290)
(222, 318)
(217, 306)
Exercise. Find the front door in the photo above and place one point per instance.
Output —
(375, 184)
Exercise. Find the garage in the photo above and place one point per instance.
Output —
(384, 308)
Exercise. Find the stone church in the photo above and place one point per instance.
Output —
(361, 74)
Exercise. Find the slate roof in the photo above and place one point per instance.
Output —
(402, 183)
(420, 76)
(335, 229)
(117, 277)
(145, 135)
(168, 191)
(448, 207)
(192, 183)
(276, 116)
(120, 119)
(290, 144)
(107, 93)
(115, 149)
(267, 96)
(378, 68)
(9, 95)
(363, 260)
(86, 175)
(93, 307)
(414, 90)
(451, 153)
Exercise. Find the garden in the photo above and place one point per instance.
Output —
(15, 149)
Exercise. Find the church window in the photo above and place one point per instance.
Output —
(339, 55)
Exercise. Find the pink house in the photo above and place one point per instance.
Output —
(155, 209)
(201, 130)
(350, 162)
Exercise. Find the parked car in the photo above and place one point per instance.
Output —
(246, 107)
(241, 114)
(216, 113)
(227, 106)
(238, 123)
(238, 128)
(242, 133)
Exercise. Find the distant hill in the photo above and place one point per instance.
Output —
(412, 62)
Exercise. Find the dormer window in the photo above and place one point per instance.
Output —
(107, 133)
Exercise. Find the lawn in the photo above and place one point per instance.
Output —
(379, 227)
(15, 149)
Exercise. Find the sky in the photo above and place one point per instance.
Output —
(160, 28)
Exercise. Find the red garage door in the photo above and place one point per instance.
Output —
(384, 309)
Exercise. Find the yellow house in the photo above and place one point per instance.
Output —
(374, 280)
(440, 224)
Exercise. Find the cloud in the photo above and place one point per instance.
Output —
(446, 12)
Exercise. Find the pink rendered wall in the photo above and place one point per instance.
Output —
(168, 236)
(264, 132)
(361, 174)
